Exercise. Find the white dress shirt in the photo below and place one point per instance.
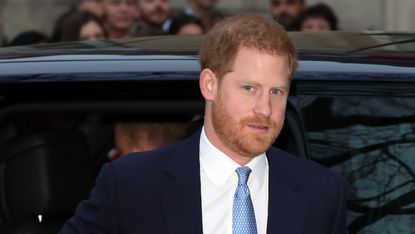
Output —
(218, 184)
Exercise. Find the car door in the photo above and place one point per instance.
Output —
(360, 122)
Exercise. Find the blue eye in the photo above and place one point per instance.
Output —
(248, 88)
(275, 91)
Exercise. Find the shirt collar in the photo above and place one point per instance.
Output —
(219, 167)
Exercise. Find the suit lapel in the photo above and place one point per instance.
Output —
(286, 208)
(181, 198)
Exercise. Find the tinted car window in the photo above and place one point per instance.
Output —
(366, 132)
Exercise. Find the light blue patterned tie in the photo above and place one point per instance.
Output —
(243, 216)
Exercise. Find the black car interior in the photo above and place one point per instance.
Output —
(43, 177)
(48, 162)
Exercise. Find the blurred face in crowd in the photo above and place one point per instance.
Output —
(91, 31)
(119, 14)
(123, 142)
(154, 12)
(285, 11)
(315, 23)
(190, 29)
(248, 103)
(205, 3)
(93, 6)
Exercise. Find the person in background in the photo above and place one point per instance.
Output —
(152, 15)
(319, 17)
(186, 25)
(144, 136)
(119, 16)
(205, 11)
(60, 24)
(286, 12)
(93, 6)
(29, 38)
(83, 26)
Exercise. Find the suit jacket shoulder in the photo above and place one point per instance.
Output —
(142, 193)
(311, 197)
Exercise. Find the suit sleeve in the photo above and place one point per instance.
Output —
(339, 222)
(98, 214)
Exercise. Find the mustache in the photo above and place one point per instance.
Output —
(258, 120)
(285, 16)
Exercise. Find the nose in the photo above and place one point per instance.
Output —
(283, 7)
(263, 105)
(124, 6)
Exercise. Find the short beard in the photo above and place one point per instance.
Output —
(230, 132)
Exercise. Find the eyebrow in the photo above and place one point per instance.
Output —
(253, 82)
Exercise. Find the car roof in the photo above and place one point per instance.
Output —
(179, 53)
(323, 43)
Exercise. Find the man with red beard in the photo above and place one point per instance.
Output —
(286, 12)
(152, 14)
(226, 178)
(119, 15)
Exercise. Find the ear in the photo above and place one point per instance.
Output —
(208, 84)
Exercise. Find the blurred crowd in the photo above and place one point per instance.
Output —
(111, 19)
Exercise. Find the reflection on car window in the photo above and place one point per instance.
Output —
(370, 141)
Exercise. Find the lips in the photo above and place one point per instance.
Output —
(258, 128)
(258, 124)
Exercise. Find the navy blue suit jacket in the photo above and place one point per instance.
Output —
(159, 192)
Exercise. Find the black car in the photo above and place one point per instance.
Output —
(351, 108)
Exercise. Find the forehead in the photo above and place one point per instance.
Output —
(258, 65)
(90, 25)
(316, 17)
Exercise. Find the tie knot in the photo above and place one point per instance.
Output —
(243, 174)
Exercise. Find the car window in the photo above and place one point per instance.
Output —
(366, 132)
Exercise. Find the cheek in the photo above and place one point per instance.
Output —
(239, 108)
(133, 12)
(278, 110)
(166, 7)
(147, 8)
(324, 26)
(230, 102)
(292, 11)
(112, 16)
